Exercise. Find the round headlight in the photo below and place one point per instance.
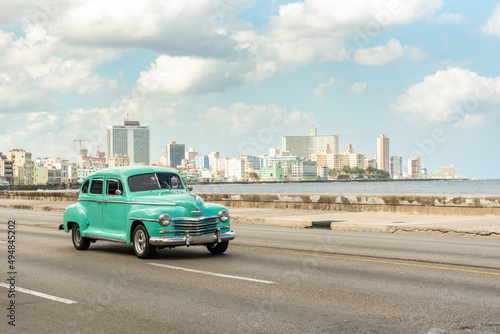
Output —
(164, 219)
(223, 215)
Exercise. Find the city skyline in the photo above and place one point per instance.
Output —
(299, 148)
(255, 72)
(130, 136)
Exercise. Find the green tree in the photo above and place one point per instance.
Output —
(357, 170)
(383, 174)
(346, 169)
(371, 170)
(333, 171)
(254, 175)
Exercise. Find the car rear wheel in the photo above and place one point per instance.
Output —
(142, 248)
(80, 243)
(218, 248)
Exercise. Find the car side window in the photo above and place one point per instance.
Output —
(96, 187)
(85, 187)
(112, 185)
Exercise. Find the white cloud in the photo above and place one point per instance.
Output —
(262, 71)
(181, 28)
(319, 29)
(242, 119)
(179, 75)
(64, 42)
(35, 66)
(450, 17)
(322, 86)
(11, 11)
(469, 121)
(358, 87)
(453, 95)
(492, 25)
(385, 54)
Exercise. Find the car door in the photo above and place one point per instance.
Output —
(93, 203)
(113, 209)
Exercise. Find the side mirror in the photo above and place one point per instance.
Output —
(118, 192)
(190, 188)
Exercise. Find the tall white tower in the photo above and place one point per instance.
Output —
(383, 153)
(129, 138)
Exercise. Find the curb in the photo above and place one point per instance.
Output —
(323, 225)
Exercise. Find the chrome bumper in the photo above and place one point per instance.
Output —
(188, 240)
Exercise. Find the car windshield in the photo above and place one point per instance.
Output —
(152, 181)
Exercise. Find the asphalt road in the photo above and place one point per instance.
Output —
(271, 280)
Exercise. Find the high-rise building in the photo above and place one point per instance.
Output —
(414, 167)
(175, 154)
(383, 153)
(304, 146)
(213, 156)
(191, 154)
(129, 138)
(202, 161)
(396, 167)
(22, 166)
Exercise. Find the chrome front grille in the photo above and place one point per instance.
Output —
(195, 226)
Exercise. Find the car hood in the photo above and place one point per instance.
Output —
(188, 201)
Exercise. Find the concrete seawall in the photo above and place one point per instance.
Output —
(422, 204)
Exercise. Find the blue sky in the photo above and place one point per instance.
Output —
(234, 76)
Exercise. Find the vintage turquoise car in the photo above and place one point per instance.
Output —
(150, 207)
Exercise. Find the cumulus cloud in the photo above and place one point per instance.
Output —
(450, 17)
(11, 11)
(178, 75)
(322, 86)
(358, 87)
(34, 66)
(65, 42)
(241, 118)
(385, 54)
(492, 25)
(262, 71)
(453, 95)
(318, 29)
(23, 127)
(171, 26)
(469, 121)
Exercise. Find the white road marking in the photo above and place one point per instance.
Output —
(40, 294)
(3, 242)
(212, 274)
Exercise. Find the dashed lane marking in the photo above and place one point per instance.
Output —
(212, 274)
(39, 294)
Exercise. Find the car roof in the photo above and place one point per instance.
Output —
(132, 170)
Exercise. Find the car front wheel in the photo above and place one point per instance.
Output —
(142, 248)
(80, 243)
(218, 248)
